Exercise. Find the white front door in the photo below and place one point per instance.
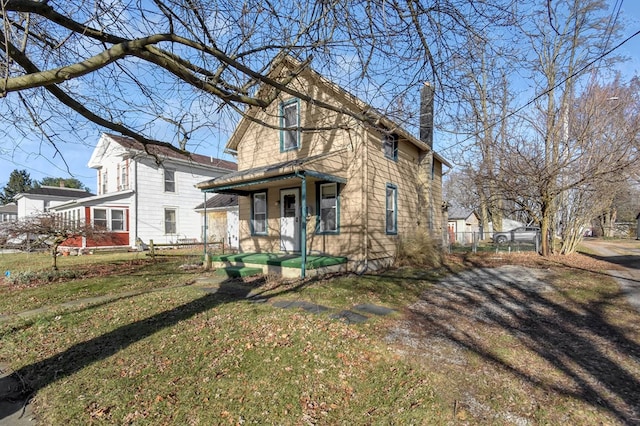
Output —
(289, 220)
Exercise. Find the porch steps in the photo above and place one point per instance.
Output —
(238, 271)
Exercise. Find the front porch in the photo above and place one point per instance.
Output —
(284, 264)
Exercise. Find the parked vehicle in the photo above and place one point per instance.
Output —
(522, 234)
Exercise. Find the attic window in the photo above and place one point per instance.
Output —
(290, 123)
(390, 146)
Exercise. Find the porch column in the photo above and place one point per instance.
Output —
(303, 225)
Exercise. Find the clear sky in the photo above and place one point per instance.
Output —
(40, 160)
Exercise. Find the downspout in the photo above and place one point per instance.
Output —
(135, 198)
(303, 225)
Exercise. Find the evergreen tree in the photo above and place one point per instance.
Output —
(19, 181)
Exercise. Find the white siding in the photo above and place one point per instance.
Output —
(153, 200)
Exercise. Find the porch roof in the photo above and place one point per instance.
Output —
(246, 181)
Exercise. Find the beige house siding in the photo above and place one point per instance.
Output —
(337, 145)
(265, 148)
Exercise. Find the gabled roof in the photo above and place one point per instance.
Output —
(134, 147)
(357, 105)
(220, 201)
(55, 191)
(457, 213)
(9, 208)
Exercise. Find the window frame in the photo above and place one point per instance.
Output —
(319, 192)
(172, 181)
(175, 220)
(394, 189)
(105, 219)
(265, 220)
(390, 139)
(122, 220)
(284, 127)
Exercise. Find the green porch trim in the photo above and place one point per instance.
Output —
(280, 259)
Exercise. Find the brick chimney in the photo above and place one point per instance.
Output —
(426, 114)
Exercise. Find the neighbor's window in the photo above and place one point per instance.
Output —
(390, 146)
(170, 221)
(104, 182)
(259, 219)
(124, 179)
(392, 209)
(100, 218)
(117, 220)
(328, 207)
(290, 119)
(169, 181)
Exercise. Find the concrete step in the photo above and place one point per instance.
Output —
(238, 271)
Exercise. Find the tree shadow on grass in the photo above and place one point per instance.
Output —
(573, 338)
(33, 377)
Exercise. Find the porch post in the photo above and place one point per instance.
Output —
(303, 226)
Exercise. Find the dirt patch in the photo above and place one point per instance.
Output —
(512, 331)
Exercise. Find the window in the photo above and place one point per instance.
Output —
(104, 182)
(289, 121)
(117, 220)
(170, 221)
(169, 181)
(259, 214)
(122, 176)
(392, 209)
(328, 208)
(390, 146)
(100, 218)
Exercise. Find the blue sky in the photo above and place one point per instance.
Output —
(40, 160)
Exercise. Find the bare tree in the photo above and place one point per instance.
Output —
(50, 230)
(135, 67)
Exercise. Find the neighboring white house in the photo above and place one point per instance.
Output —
(43, 199)
(8, 212)
(144, 195)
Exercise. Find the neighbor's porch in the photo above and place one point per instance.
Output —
(283, 264)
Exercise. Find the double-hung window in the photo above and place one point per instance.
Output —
(392, 209)
(100, 218)
(328, 208)
(259, 214)
(290, 123)
(169, 180)
(170, 222)
(117, 220)
(390, 146)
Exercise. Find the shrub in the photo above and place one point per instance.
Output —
(419, 250)
(31, 277)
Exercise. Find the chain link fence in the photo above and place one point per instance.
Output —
(464, 242)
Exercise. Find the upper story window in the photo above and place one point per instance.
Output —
(290, 123)
(104, 181)
(169, 180)
(123, 176)
(390, 146)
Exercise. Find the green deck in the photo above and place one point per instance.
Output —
(280, 259)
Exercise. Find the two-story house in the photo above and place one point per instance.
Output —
(144, 194)
(331, 177)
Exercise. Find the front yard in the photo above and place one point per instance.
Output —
(450, 354)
